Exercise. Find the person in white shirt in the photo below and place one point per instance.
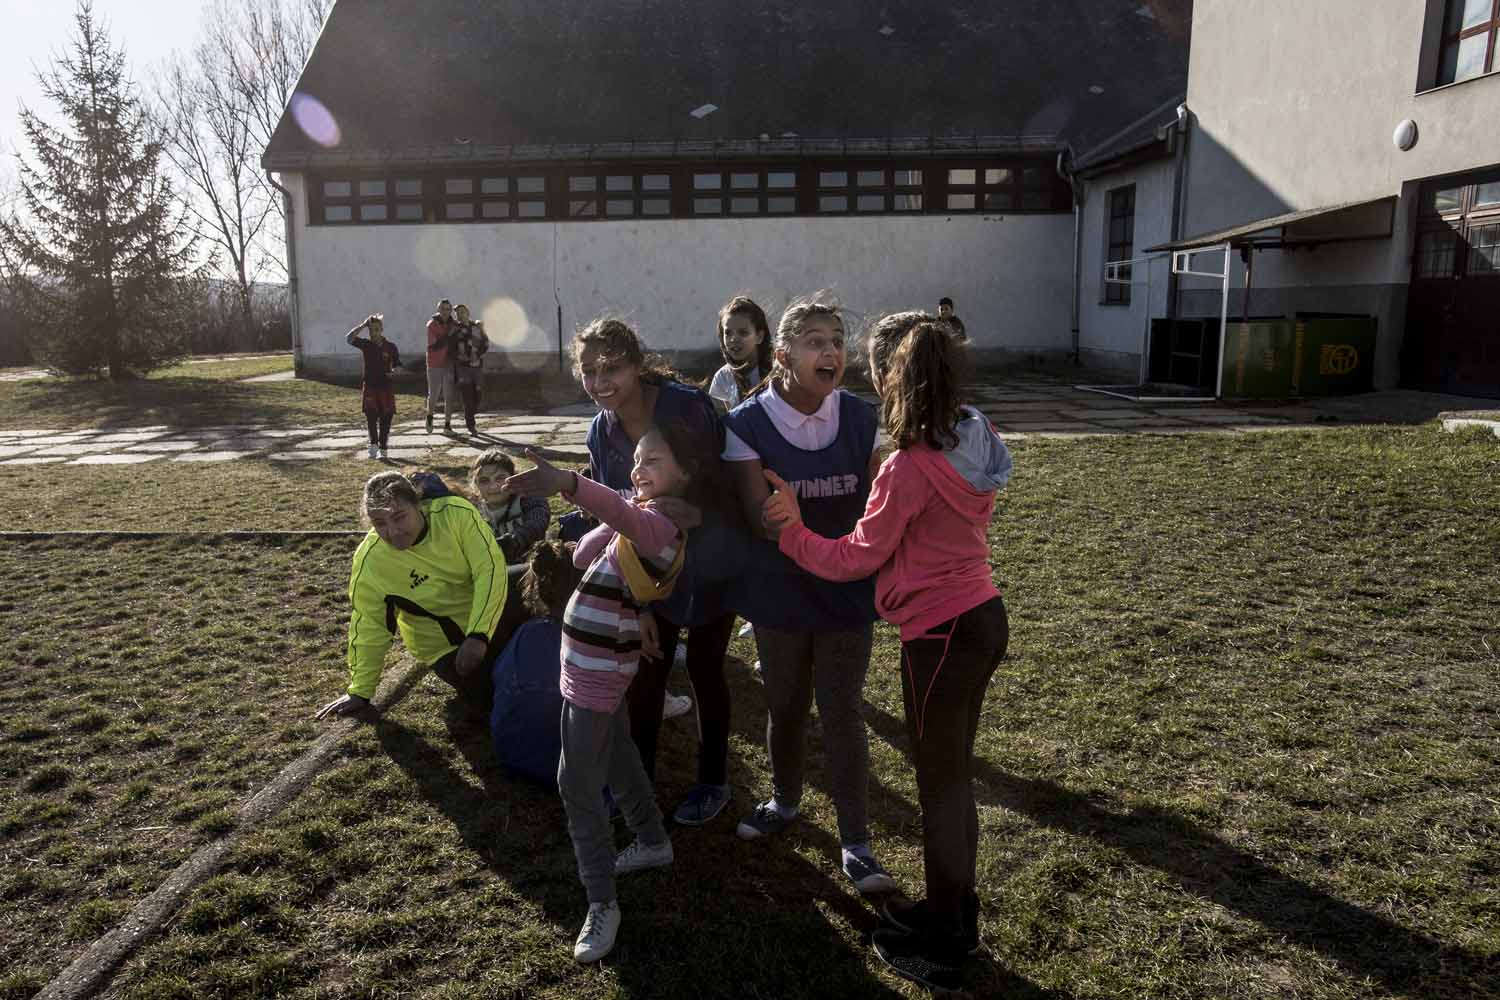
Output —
(745, 342)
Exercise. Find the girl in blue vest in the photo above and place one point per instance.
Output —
(635, 393)
(813, 636)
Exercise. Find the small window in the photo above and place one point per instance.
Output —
(870, 178)
(531, 185)
(781, 205)
(372, 189)
(616, 182)
(1119, 239)
(459, 210)
(497, 210)
(907, 202)
(833, 178)
(583, 209)
(744, 181)
(1036, 177)
(656, 206)
(619, 207)
(337, 213)
(960, 202)
(744, 206)
(1469, 35)
(999, 201)
(998, 175)
(583, 183)
(495, 185)
(833, 203)
(1437, 253)
(907, 178)
(1036, 200)
(531, 209)
(1484, 250)
(375, 212)
(708, 206)
(708, 182)
(1446, 200)
(1487, 194)
(781, 179)
(961, 178)
(411, 188)
(656, 182)
(870, 203)
(409, 211)
(337, 189)
(458, 185)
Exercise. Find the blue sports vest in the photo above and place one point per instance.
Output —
(832, 486)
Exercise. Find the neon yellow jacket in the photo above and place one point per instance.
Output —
(449, 585)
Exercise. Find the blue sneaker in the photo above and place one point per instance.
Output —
(703, 803)
(763, 822)
(867, 874)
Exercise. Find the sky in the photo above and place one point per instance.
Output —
(36, 30)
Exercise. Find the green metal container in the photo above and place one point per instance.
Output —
(1334, 356)
(1259, 358)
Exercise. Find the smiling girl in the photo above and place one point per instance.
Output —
(813, 636)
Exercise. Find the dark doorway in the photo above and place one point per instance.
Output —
(1452, 341)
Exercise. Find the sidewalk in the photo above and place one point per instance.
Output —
(1021, 405)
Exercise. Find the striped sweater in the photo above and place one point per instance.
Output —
(601, 645)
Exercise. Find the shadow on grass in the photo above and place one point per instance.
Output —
(1362, 943)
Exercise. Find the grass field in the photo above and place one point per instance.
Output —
(1247, 744)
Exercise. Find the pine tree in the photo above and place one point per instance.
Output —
(102, 241)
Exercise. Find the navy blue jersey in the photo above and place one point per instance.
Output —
(832, 485)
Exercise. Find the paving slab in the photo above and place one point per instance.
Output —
(416, 440)
(32, 433)
(211, 456)
(128, 437)
(72, 450)
(164, 446)
(463, 454)
(114, 459)
(13, 450)
(1463, 423)
(301, 456)
(337, 441)
(34, 460)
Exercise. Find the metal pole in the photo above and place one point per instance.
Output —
(1223, 327)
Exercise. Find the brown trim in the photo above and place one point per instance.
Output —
(1462, 215)
(1489, 27)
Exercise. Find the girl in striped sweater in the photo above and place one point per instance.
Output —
(632, 559)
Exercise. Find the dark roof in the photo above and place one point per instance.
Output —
(1146, 136)
(563, 79)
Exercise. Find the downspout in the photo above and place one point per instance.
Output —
(293, 310)
(1075, 187)
(1179, 181)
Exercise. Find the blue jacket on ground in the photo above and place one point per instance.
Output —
(524, 723)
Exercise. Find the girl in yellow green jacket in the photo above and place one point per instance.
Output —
(430, 570)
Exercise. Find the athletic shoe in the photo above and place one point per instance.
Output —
(447, 427)
(673, 705)
(746, 629)
(429, 423)
(912, 918)
(372, 451)
(597, 938)
(640, 855)
(680, 656)
(382, 454)
(867, 875)
(913, 957)
(473, 431)
(703, 803)
(763, 822)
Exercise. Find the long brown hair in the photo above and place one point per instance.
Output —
(748, 307)
(614, 339)
(918, 368)
(550, 579)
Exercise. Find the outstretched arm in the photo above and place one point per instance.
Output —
(856, 555)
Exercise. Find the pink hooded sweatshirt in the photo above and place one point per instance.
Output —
(923, 530)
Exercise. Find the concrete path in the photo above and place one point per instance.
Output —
(1021, 405)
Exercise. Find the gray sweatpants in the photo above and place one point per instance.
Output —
(795, 666)
(597, 751)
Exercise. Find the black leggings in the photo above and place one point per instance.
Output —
(380, 427)
(706, 646)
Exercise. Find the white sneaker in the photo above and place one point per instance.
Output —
(597, 938)
(372, 451)
(640, 856)
(674, 705)
(746, 629)
(382, 454)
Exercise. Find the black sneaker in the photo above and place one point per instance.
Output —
(867, 874)
(912, 956)
(912, 918)
(429, 423)
(764, 822)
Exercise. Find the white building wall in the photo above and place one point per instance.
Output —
(1009, 275)
(1113, 336)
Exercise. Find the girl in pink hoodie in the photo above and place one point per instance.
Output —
(923, 534)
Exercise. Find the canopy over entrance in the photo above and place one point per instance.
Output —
(1341, 223)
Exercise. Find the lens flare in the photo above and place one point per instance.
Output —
(315, 120)
(506, 323)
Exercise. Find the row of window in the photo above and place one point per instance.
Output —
(742, 190)
(1459, 228)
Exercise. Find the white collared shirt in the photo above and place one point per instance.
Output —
(807, 431)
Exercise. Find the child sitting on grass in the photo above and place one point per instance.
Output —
(633, 558)
(528, 703)
(518, 522)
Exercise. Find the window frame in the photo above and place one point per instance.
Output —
(1452, 10)
(1112, 294)
(1462, 222)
